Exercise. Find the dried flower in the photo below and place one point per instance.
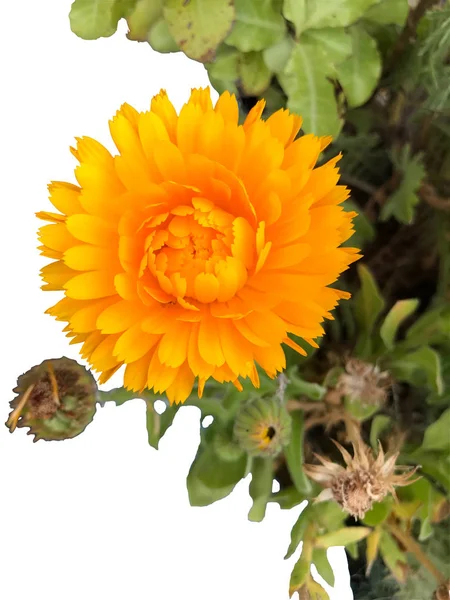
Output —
(199, 249)
(443, 591)
(364, 382)
(263, 427)
(56, 400)
(364, 480)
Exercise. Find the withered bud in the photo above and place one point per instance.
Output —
(263, 427)
(443, 591)
(56, 400)
(364, 382)
(365, 479)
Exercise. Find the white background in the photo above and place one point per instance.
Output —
(103, 516)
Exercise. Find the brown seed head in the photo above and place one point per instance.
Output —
(364, 382)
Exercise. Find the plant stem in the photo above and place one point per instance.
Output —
(412, 546)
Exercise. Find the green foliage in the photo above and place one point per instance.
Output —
(294, 454)
(91, 19)
(368, 304)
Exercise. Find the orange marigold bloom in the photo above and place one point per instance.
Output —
(199, 248)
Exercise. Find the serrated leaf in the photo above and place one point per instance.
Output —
(339, 13)
(402, 202)
(368, 304)
(92, 19)
(199, 26)
(437, 435)
(260, 487)
(276, 56)
(360, 72)
(142, 17)
(395, 317)
(423, 366)
(301, 568)
(295, 12)
(387, 12)
(320, 560)
(258, 25)
(254, 75)
(310, 93)
(158, 424)
(298, 530)
(293, 453)
(379, 424)
(372, 547)
(342, 537)
(393, 557)
(160, 38)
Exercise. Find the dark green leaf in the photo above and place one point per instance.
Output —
(298, 530)
(254, 75)
(379, 424)
(433, 327)
(288, 498)
(157, 424)
(378, 513)
(294, 454)
(320, 559)
(199, 26)
(437, 435)
(420, 367)
(392, 556)
(368, 304)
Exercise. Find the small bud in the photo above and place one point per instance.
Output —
(263, 427)
(364, 480)
(56, 400)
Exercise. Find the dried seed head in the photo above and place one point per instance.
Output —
(56, 400)
(263, 427)
(443, 591)
(364, 382)
(364, 480)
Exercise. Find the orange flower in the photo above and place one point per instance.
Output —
(199, 248)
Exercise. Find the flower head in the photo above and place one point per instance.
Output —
(364, 480)
(56, 400)
(200, 248)
(263, 426)
(364, 382)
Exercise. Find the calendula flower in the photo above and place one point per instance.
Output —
(200, 248)
(364, 480)
(56, 400)
(263, 426)
(364, 382)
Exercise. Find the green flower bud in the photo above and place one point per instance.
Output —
(56, 400)
(263, 426)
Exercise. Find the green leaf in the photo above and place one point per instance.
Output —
(316, 591)
(223, 72)
(117, 395)
(254, 75)
(388, 11)
(433, 327)
(426, 529)
(335, 44)
(258, 25)
(199, 26)
(160, 38)
(328, 515)
(421, 367)
(276, 56)
(339, 13)
(378, 513)
(342, 537)
(295, 12)
(379, 424)
(298, 530)
(287, 498)
(360, 72)
(298, 387)
(320, 559)
(260, 487)
(392, 556)
(402, 202)
(368, 304)
(294, 454)
(395, 317)
(301, 568)
(437, 435)
(141, 19)
(360, 409)
(310, 93)
(92, 19)
(157, 424)
(353, 550)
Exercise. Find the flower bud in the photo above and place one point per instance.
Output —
(263, 427)
(56, 400)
